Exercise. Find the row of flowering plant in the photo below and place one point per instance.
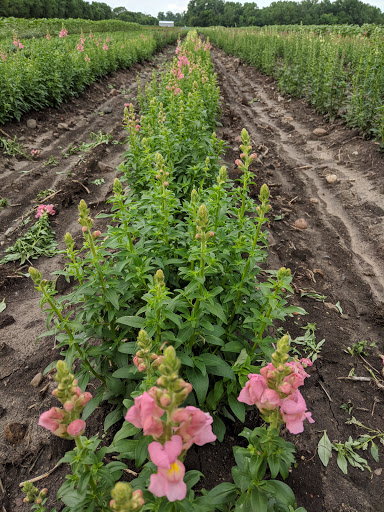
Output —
(168, 311)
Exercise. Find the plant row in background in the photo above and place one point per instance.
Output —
(27, 28)
(169, 317)
(37, 73)
(340, 75)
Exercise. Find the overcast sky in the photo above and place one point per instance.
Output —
(155, 6)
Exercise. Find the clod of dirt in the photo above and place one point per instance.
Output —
(238, 139)
(331, 306)
(331, 178)
(37, 380)
(114, 92)
(107, 110)
(6, 320)
(62, 126)
(14, 433)
(32, 124)
(314, 200)
(319, 132)
(301, 223)
(104, 167)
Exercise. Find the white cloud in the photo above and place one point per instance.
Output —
(177, 7)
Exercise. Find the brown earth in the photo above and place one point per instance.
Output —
(338, 255)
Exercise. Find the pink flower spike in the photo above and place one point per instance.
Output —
(105, 47)
(146, 414)
(169, 482)
(293, 412)
(76, 428)
(195, 426)
(165, 456)
(51, 419)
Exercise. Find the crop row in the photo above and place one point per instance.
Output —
(339, 75)
(27, 28)
(37, 73)
(168, 317)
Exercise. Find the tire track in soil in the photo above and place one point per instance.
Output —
(23, 321)
(339, 255)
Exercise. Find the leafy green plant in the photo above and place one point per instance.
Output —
(38, 241)
(43, 194)
(307, 343)
(359, 348)
(4, 202)
(52, 162)
(12, 147)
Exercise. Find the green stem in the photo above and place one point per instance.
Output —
(246, 268)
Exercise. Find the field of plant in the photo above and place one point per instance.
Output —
(236, 256)
(340, 72)
(44, 72)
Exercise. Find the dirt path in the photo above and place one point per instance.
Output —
(339, 255)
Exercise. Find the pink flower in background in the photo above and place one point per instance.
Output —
(76, 428)
(107, 40)
(87, 59)
(35, 153)
(48, 36)
(16, 42)
(80, 47)
(105, 47)
(146, 414)
(51, 419)
(137, 127)
(195, 426)
(127, 105)
(293, 411)
(139, 363)
(168, 481)
(44, 208)
(21, 46)
(177, 90)
(3, 56)
(63, 33)
(256, 392)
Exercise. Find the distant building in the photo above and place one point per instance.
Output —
(166, 23)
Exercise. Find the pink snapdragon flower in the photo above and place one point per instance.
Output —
(35, 153)
(137, 127)
(168, 481)
(63, 32)
(146, 414)
(87, 59)
(51, 420)
(195, 426)
(48, 36)
(76, 428)
(105, 47)
(256, 392)
(45, 208)
(80, 47)
(3, 56)
(294, 412)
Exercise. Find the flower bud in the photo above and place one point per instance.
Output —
(84, 229)
(166, 183)
(96, 234)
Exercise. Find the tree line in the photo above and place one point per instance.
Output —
(71, 9)
(205, 13)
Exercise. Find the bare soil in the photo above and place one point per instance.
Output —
(338, 255)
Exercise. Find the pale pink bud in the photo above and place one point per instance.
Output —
(157, 176)
(242, 155)
(166, 183)
(76, 428)
(96, 234)
(68, 406)
(254, 156)
(165, 400)
(197, 236)
(211, 233)
(137, 127)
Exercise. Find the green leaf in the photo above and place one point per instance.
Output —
(218, 428)
(324, 449)
(199, 383)
(112, 297)
(222, 493)
(92, 405)
(126, 372)
(141, 452)
(127, 430)
(238, 408)
(217, 366)
(2, 305)
(215, 309)
(129, 347)
(257, 502)
(133, 321)
(281, 491)
(342, 462)
(375, 451)
(112, 418)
